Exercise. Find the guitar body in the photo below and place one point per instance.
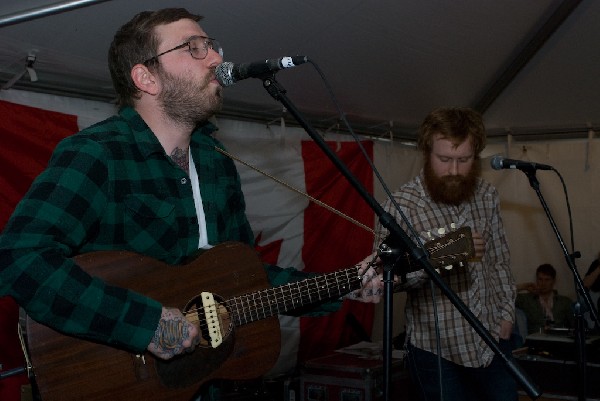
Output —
(69, 368)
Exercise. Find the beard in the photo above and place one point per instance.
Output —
(451, 189)
(189, 102)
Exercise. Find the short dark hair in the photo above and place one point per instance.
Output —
(135, 42)
(454, 123)
(546, 269)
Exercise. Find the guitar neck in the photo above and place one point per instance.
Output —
(258, 305)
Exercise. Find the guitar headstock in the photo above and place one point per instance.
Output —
(447, 252)
(451, 250)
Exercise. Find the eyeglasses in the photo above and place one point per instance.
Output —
(197, 46)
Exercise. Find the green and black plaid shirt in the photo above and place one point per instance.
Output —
(112, 186)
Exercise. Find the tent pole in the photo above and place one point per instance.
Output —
(39, 12)
(560, 14)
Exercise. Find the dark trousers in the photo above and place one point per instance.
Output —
(459, 383)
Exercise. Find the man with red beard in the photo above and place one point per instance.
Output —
(448, 194)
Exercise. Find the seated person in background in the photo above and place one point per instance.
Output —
(591, 281)
(541, 303)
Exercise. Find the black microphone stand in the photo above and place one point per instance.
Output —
(582, 294)
(278, 93)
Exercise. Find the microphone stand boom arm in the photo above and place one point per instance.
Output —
(278, 93)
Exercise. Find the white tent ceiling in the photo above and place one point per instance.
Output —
(530, 66)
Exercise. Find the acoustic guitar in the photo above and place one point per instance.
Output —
(237, 313)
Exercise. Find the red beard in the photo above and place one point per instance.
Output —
(451, 189)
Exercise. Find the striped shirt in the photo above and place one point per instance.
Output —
(487, 287)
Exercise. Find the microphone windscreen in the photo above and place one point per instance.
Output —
(224, 73)
(496, 162)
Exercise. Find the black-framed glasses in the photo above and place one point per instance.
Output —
(197, 46)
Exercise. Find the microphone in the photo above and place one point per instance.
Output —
(498, 163)
(229, 73)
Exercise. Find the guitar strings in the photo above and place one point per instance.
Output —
(250, 307)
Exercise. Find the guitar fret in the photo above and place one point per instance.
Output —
(292, 297)
(309, 292)
(269, 303)
(234, 310)
(285, 290)
(279, 290)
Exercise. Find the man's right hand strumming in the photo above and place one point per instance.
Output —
(174, 335)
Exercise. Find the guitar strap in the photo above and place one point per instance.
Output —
(292, 188)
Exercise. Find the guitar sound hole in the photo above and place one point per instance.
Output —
(190, 368)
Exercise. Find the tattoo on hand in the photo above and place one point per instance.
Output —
(169, 336)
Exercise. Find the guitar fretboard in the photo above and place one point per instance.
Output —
(258, 305)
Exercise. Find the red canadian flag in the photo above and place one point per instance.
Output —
(27, 137)
(307, 236)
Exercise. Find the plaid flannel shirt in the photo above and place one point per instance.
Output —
(487, 288)
(112, 186)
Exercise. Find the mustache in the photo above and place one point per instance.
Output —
(453, 179)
